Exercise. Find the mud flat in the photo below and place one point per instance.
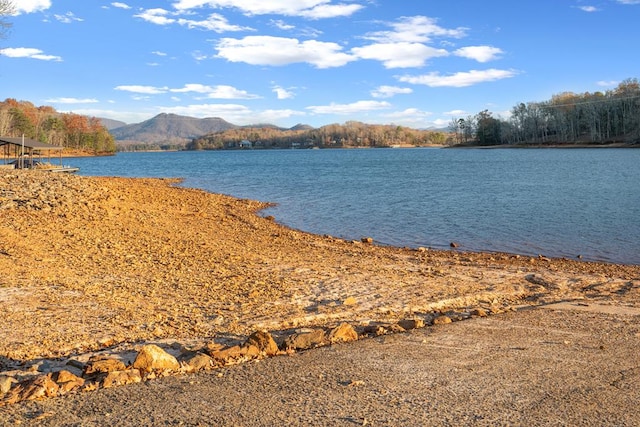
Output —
(103, 266)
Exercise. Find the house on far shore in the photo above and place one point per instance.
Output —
(245, 144)
(25, 153)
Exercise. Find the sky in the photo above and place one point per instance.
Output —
(416, 63)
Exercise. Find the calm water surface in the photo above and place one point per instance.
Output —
(555, 202)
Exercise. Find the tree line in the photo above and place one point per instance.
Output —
(350, 134)
(45, 124)
(567, 118)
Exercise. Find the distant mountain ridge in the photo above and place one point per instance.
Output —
(169, 129)
(174, 129)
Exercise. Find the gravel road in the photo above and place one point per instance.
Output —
(553, 366)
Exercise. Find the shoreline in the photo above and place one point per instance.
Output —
(102, 264)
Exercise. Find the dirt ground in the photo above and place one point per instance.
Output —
(89, 264)
(539, 367)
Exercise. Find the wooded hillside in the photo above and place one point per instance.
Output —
(45, 124)
(567, 118)
(350, 134)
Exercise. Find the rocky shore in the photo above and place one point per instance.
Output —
(112, 281)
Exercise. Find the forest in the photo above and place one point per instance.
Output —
(598, 118)
(45, 124)
(350, 134)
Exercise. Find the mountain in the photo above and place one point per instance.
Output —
(300, 126)
(111, 124)
(169, 129)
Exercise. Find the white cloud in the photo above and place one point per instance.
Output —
(67, 18)
(399, 55)
(283, 93)
(461, 79)
(455, 113)
(629, 1)
(26, 52)
(356, 107)
(414, 29)
(72, 100)
(410, 116)
(214, 22)
(608, 83)
(120, 5)
(330, 11)
(389, 91)
(157, 52)
(146, 90)
(234, 113)
(281, 25)
(216, 92)
(277, 51)
(479, 53)
(313, 9)
(588, 8)
(29, 6)
(156, 16)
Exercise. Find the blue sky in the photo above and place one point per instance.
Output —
(415, 63)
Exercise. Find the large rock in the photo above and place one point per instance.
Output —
(264, 342)
(153, 358)
(343, 333)
(67, 381)
(305, 340)
(33, 389)
(101, 365)
(408, 324)
(200, 362)
(117, 378)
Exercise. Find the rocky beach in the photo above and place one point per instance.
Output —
(109, 282)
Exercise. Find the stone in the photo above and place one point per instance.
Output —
(479, 312)
(441, 320)
(36, 388)
(264, 342)
(343, 333)
(67, 381)
(376, 330)
(408, 324)
(200, 362)
(152, 358)
(305, 340)
(118, 378)
(236, 353)
(350, 301)
(368, 240)
(5, 383)
(102, 364)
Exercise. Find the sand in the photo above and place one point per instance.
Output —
(89, 264)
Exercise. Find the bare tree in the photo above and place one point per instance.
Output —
(7, 8)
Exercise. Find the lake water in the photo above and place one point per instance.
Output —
(554, 202)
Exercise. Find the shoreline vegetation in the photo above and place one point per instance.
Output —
(109, 281)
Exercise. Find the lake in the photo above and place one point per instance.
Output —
(551, 202)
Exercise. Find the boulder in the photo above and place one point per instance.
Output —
(200, 362)
(5, 383)
(408, 324)
(117, 378)
(264, 342)
(67, 381)
(305, 340)
(36, 388)
(343, 333)
(152, 358)
(101, 364)
(441, 320)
